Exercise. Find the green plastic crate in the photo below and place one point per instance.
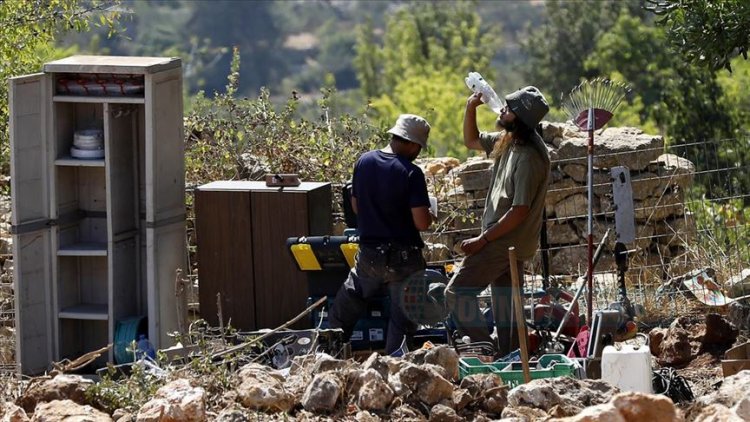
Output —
(548, 366)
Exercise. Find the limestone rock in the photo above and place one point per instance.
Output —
(233, 415)
(648, 184)
(173, 402)
(9, 412)
(599, 413)
(442, 356)
(561, 234)
(524, 413)
(575, 206)
(122, 415)
(568, 395)
(474, 174)
(61, 387)
(715, 413)
(375, 394)
(365, 416)
(562, 189)
(488, 391)
(659, 208)
(323, 392)
(674, 348)
(718, 334)
(534, 394)
(733, 390)
(676, 170)
(406, 413)
(461, 398)
(739, 283)
(425, 383)
(68, 410)
(551, 130)
(329, 363)
(636, 407)
(615, 146)
(442, 413)
(261, 389)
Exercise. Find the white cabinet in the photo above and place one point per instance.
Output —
(96, 240)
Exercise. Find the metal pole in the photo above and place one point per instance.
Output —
(590, 272)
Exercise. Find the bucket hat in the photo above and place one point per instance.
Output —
(413, 128)
(528, 104)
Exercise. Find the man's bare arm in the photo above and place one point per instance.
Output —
(422, 218)
(471, 131)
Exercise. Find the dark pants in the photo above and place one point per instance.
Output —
(490, 266)
(379, 270)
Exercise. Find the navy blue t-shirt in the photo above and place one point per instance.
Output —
(387, 187)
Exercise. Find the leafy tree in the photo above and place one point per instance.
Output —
(249, 26)
(439, 96)
(223, 131)
(420, 37)
(27, 32)
(683, 100)
(707, 32)
(426, 52)
(556, 49)
(736, 97)
(367, 60)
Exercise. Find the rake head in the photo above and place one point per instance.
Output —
(602, 96)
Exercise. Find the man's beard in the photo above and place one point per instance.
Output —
(509, 126)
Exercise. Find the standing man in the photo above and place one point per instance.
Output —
(512, 215)
(389, 196)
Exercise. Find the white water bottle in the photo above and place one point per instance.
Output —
(476, 83)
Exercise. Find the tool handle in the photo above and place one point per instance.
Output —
(520, 319)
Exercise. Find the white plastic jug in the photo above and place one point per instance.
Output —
(628, 367)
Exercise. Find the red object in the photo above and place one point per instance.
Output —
(601, 117)
(556, 311)
(581, 345)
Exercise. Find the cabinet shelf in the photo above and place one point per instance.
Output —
(87, 311)
(76, 162)
(83, 249)
(92, 99)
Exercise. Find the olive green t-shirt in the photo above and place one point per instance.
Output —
(519, 177)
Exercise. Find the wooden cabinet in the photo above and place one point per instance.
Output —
(96, 240)
(241, 230)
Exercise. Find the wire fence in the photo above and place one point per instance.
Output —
(691, 208)
(691, 211)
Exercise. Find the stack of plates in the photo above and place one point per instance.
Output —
(88, 143)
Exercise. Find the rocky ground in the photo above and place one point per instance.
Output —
(424, 385)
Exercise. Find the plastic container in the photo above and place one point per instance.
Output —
(628, 367)
(548, 366)
(127, 331)
(476, 83)
(145, 348)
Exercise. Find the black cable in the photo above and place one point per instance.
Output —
(668, 382)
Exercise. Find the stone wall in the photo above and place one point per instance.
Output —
(659, 181)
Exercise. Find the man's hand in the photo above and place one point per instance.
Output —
(474, 100)
(473, 245)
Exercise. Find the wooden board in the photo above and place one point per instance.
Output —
(165, 253)
(225, 257)
(112, 64)
(119, 139)
(30, 203)
(165, 175)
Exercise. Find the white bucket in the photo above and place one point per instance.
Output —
(628, 367)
